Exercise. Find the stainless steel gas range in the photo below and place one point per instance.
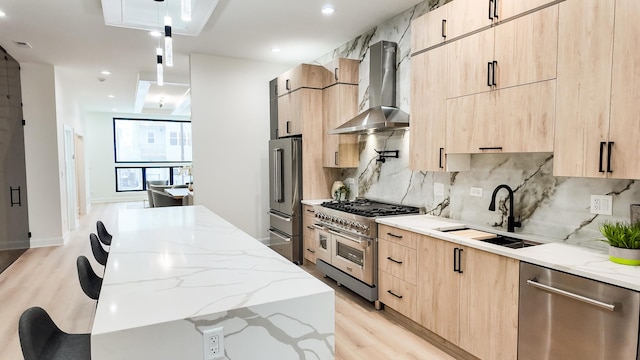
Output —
(346, 237)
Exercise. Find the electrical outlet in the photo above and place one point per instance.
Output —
(601, 204)
(475, 192)
(213, 341)
(438, 189)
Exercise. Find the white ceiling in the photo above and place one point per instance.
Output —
(72, 35)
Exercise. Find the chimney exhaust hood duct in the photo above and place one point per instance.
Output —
(382, 115)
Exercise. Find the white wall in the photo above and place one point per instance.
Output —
(230, 122)
(41, 147)
(100, 157)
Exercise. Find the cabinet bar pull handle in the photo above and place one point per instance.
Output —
(311, 211)
(460, 260)
(287, 85)
(493, 73)
(534, 282)
(19, 202)
(609, 146)
(335, 158)
(391, 292)
(489, 73)
(288, 122)
(310, 227)
(600, 169)
(491, 148)
(455, 259)
(444, 28)
(394, 260)
(490, 2)
(275, 90)
(394, 235)
(495, 9)
(440, 159)
(335, 74)
(311, 251)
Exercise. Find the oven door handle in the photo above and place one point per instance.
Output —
(316, 226)
(362, 242)
(278, 235)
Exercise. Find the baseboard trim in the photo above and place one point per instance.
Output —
(118, 199)
(46, 242)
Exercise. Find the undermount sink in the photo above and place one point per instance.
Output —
(510, 242)
(501, 240)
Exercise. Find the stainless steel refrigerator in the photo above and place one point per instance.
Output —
(285, 192)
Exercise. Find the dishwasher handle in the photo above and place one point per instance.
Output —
(534, 282)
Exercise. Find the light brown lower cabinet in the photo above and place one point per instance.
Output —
(465, 295)
(308, 233)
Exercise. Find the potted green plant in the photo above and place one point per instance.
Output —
(624, 241)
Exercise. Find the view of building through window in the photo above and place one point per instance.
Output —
(152, 140)
(144, 144)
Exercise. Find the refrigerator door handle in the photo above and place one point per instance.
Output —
(278, 235)
(277, 170)
(287, 219)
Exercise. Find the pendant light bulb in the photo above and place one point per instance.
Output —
(159, 74)
(168, 41)
(185, 10)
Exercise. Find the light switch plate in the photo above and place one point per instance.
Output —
(475, 192)
(601, 204)
(438, 189)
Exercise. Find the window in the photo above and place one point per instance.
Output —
(151, 141)
(135, 178)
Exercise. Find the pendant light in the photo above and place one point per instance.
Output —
(185, 10)
(168, 41)
(159, 74)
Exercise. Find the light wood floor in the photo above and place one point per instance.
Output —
(47, 277)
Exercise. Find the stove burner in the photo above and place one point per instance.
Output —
(370, 208)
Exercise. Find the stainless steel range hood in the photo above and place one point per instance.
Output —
(382, 114)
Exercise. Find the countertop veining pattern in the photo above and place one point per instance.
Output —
(586, 262)
(180, 270)
(554, 207)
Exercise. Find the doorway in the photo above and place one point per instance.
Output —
(70, 172)
(81, 193)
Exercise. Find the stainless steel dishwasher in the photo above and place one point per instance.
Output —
(563, 316)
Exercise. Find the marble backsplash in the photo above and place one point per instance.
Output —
(557, 208)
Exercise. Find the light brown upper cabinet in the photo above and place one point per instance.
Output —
(427, 148)
(461, 17)
(506, 103)
(598, 124)
(511, 120)
(295, 89)
(340, 104)
(301, 76)
(429, 29)
(341, 70)
(516, 52)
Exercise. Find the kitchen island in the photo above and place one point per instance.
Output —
(175, 272)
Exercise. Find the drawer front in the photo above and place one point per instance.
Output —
(397, 260)
(309, 233)
(397, 294)
(398, 236)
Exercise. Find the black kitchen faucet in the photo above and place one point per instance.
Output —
(511, 223)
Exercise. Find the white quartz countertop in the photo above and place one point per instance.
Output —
(581, 261)
(181, 262)
(314, 201)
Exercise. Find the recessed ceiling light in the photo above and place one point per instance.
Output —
(327, 10)
(155, 33)
(105, 72)
(110, 96)
(2, 13)
(275, 50)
